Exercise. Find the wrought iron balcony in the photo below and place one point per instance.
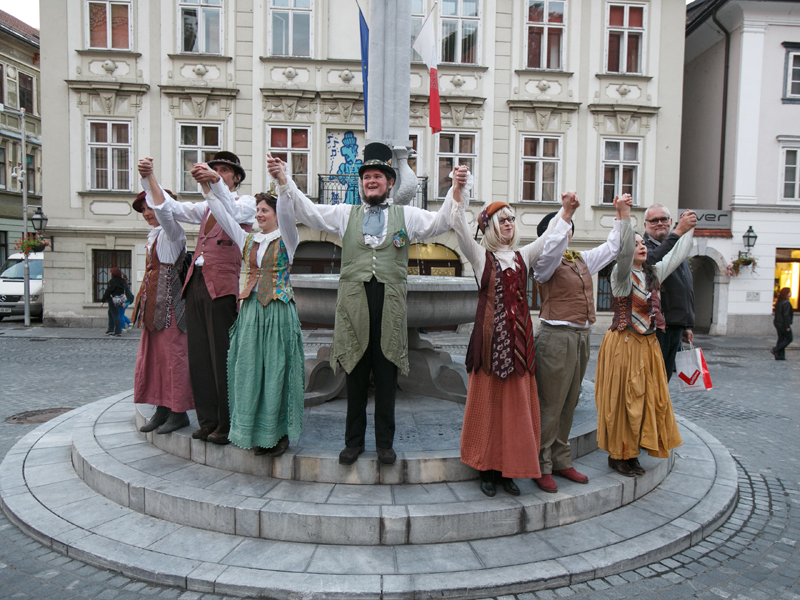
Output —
(340, 189)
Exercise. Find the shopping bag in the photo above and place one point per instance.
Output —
(693, 375)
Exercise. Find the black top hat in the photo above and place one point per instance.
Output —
(378, 156)
(542, 227)
(228, 158)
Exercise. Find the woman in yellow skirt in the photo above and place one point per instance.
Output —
(633, 405)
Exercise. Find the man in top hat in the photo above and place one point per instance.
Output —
(370, 329)
(562, 342)
(211, 289)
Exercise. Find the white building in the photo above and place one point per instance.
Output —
(538, 97)
(739, 154)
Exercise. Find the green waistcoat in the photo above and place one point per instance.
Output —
(389, 265)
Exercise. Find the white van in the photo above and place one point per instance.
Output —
(12, 301)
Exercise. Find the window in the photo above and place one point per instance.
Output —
(459, 20)
(545, 34)
(541, 158)
(291, 27)
(789, 171)
(109, 25)
(417, 18)
(625, 38)
(197, 143)
(290, 144)
(532, 292)
(110, 155)
(102, 263)
(621, 162)
(30, 173)
(26, 92)
(3, 247)
(793, 75)
(201, 26)
(2, 168)
(454, 149)
(604, 295)
(2, 85)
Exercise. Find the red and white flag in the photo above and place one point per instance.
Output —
(426, 46)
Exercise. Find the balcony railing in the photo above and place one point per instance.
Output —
(340, 189)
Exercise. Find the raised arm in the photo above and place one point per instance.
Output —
(602, 255)
(331, 219)
(621, 273)
(676, 256)
(474, 252)
(687, 221)
(287, 223)
(422, 224)
(155, 198)
(243, 209)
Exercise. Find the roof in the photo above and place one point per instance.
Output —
(698, 11)
(19, 28)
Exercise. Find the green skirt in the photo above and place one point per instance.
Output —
(266, 374)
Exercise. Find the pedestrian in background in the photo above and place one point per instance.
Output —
(784, 315)
(115, 296)
(125, 322)
(677, 290)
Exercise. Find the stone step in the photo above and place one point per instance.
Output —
(42, 493)
(427, 444)
(117, 462)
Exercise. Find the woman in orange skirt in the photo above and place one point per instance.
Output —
(633, 405)
(500, 436)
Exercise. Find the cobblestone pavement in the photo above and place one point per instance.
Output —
(754, 410)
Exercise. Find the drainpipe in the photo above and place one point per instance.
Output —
(722, 136)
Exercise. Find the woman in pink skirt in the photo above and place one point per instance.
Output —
(162, 365)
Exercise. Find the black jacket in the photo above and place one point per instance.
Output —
(784, 315)
(114, 287)
(677, 290)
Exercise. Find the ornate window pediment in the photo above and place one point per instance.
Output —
(544, 116)
(108, 98)
(199, 102)
(622, 119)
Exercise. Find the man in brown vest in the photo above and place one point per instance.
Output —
(562, 342)
(210, 290)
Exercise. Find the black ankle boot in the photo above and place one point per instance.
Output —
(157, 420)
(175, 421)
(487, 483)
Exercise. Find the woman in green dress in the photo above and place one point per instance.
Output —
(266, 374)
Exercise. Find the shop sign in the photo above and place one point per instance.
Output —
(711, 219)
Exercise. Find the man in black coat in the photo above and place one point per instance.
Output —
(677, 290)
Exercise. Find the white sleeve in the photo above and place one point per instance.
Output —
(171, 228)
(287, 223)
(621, 273)
(475, 253)
(186, 212)
(545, 253)
(602, 255)
(226, 220)
(679, 253)
(329, 218)
(422, 224)
(242, 210)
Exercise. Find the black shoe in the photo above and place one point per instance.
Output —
(774, 352)
(157, 420)
(109, 333)
(277, 449)
(621, 467)
(218, 438)
(510, 487)
(350, 454)
(488, 488)
(387, 456)
(202, 433)
(174, 422)
(637, 468)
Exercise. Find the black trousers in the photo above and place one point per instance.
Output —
(784, 339)
(670, 342)
(114, 324)
(207, 325)
(385, 376)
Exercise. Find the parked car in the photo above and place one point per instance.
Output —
(12, 301)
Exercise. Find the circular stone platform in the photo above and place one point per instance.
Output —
(131, 507)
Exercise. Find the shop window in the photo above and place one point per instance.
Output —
(787, 273)
(102, 263)
(434, 260)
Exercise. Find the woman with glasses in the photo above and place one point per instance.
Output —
(633, 406)
(501, 432)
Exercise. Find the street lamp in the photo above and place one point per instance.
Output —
(749, 239)
(39, 220)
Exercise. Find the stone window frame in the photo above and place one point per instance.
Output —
(109, 28)
(625, 30)
(101, 272)
(540, 161)
(3, 166)
(787, 146)
(457, 155)
(789, 72)
(201, 6)
(290, 151)
(546, 27)
(110, 146)
(621, 163)
(204, 151)
(462, 20)
(292, 11)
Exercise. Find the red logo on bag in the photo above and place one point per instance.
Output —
(690, 380)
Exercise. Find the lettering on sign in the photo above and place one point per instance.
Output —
(711, 219)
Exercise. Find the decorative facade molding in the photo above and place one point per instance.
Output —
(281, 104)
(622, 119)
(342, 107)
(108, 98)
(199, 102)
(462, 111)
(542, 115)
